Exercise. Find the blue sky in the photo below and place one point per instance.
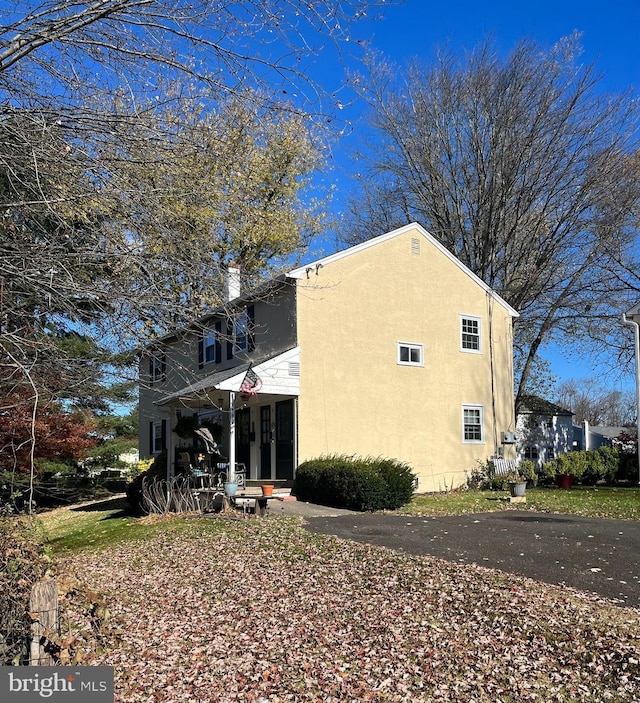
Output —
(610, 38)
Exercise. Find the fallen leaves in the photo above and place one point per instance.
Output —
(265, 611)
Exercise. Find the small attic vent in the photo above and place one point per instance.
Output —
(415, 246)
(294, 368)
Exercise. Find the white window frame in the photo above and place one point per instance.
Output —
(529, 452)
(411, 347)
(156, 369)
(209, 343)
(478, 320)
(241, 324)
(480, 410)
(156, 429)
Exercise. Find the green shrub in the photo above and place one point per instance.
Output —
(355, 483)
(628, 468)
(527, 469)
(602, 464)
(593, 468)
(399, 480)
(573, 463)
(612, 463)
(482, 475)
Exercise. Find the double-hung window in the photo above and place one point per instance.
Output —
(241, 332)
(410, 354)
(157, 436)
(470, 334)
(210, 340)
(473, 424)
(157, 368)
(210, 348)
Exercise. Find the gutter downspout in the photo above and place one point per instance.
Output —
(636, 335)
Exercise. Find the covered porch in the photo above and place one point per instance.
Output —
(251, 411)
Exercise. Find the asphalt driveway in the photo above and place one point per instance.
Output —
(590, 554)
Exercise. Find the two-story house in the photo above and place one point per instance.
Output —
(390, 348)
(543, 430)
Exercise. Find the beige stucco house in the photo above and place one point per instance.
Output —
(392, 347)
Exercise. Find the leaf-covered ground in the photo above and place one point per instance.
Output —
(261, 610)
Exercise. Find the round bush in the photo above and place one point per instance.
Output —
(355, 483)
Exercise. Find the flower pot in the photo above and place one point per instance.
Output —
(518, 488)
(564, 480)
(230, 488)
(267, 490)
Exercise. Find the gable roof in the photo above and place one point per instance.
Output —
(535, 404)
(301, 271)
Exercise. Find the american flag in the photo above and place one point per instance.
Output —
(251, 382)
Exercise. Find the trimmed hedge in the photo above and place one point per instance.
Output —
(355, 483)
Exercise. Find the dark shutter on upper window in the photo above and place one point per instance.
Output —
(230, 339)
(201, 351)
(251, 326)
(164, 434)
(218, 344)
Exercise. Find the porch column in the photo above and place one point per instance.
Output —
(232, 437)
(170, 444)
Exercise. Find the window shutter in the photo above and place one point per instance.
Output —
(201, 351)
(218, 344)
(151, 447)
(164, 434)
(251, 325)
(230, 339)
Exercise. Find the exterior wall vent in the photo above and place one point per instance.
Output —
(415, 246)
(294, 368)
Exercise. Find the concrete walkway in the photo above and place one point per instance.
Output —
(590, 554)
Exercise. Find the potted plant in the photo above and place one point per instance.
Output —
(565, 469)
(517, 484)
(527, 469)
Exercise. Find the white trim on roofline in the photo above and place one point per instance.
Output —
(414, 226)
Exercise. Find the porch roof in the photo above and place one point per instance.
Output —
(279, 374)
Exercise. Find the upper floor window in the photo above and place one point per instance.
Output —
(210, 347)
(410, 354)
(470, 330)
(212, 344)
(531, 453)
(157, 368)
(473, 423)
(241, 332)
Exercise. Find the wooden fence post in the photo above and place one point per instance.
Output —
(44, 606)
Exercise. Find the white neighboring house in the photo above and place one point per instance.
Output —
(543, 430)
(595, 436)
